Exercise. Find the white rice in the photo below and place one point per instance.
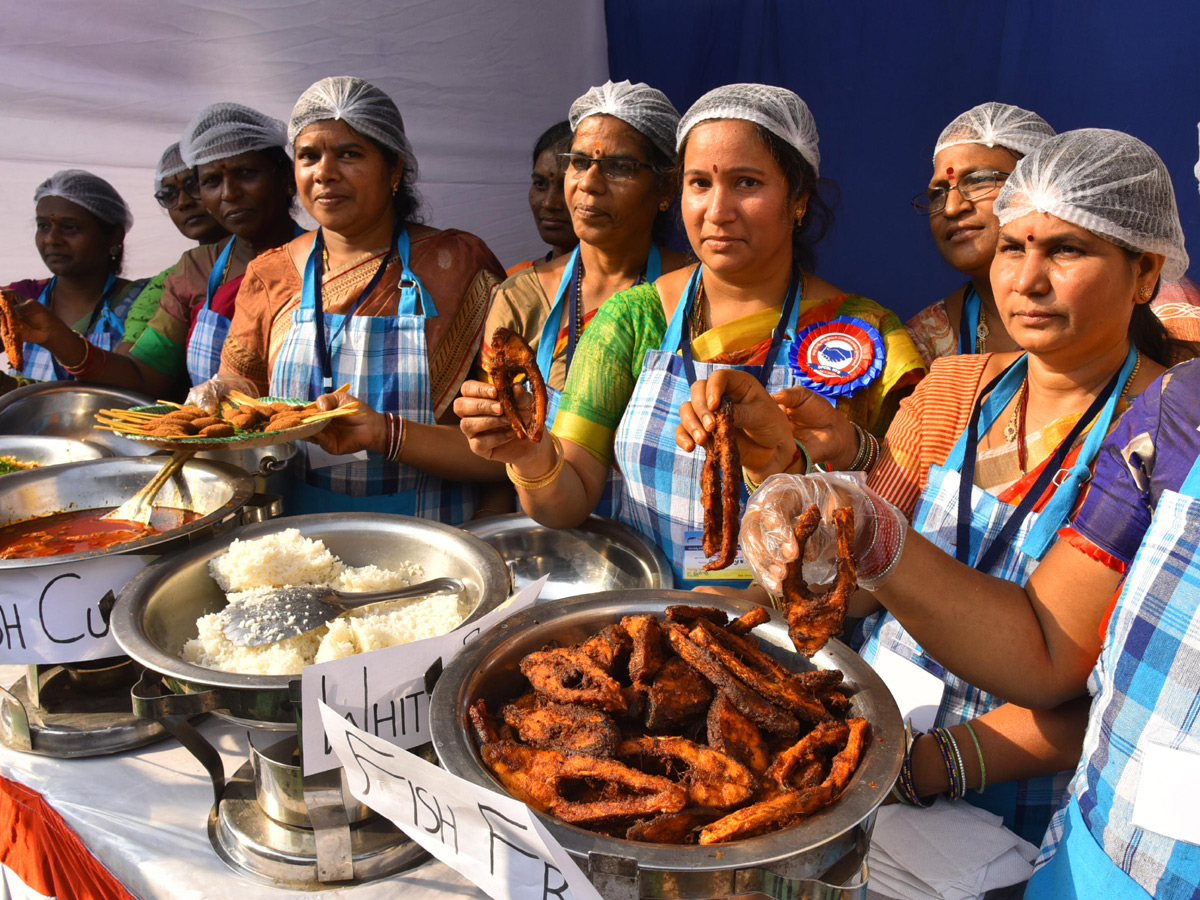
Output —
(288, 558)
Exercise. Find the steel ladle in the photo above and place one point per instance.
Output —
(289, 611)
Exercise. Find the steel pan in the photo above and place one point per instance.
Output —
(68, 409)
(49, 451)
(787, 863)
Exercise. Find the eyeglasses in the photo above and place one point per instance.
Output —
(169, 195)
(613, 168)
(973, 187)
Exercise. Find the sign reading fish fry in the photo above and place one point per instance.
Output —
(383, 692)
(494, 840)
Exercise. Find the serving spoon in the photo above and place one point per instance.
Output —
(288, 611)
(140, 507)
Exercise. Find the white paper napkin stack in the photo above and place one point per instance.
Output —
(951, 851)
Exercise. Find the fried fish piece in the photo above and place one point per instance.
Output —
(567, 727)
(780, 811)
(673, 828)
(510, 356)
(551, 671)
(677, 695)
(11, 331)
(647, 655)
(748, 621)
(721, 490)
(814, 618)
(686, 615)
(710, 777)
(818, 745)
(609, 649)
(733, 734)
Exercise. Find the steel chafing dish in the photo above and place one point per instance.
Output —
(49, 451)
(68, 409)
(823, 856)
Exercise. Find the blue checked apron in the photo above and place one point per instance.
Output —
(1005, 541)
(1145, 690)
(105, 329)
(661, 499)
(211, 328)
(968, 325)
(384, 359)
(568, 298)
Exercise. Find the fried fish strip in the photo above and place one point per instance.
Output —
(549, 671)
(814, 618)
(748, 621)
(482, 723)
(753, 705)
(710, 777)
(610, 648)
(11, 336)
(676, 696)
(721, 490)
(673, 828)
(686, 615)
(567, 727)
(778, 812)
(735, 735)
(510, 355)
(847, 759)
(513, 766)
(819, 744)
(647, 655)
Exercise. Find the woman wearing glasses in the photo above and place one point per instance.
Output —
(749, 165)
(244, 179)
(989, 455)
(974, 155)
(177, 191)
(618, 185)
(84, 309)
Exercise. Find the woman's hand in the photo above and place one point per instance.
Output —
(764, 434)
(487, 428)
(39, 325)
(365, 429)
(826, 434)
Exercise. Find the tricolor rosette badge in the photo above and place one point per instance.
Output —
(837, 358)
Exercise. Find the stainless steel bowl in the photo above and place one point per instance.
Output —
(49, 451)
(488, 669)
(68, 409)
(156, 613)
(266, 465)
(599, 555)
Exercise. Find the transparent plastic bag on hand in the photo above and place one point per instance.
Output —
(208, 394)
(768, 540)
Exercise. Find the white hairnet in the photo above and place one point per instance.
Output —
(996, 125)
(170, 164)
(638, 105)
(91, 192)
(227, 129)
(361, 105)
(776, 109)
(1105, 181)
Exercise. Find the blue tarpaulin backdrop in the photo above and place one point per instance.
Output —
(883, 79)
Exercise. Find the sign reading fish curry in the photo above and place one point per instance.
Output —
(383, 692)
(51, 614)
(494, 840)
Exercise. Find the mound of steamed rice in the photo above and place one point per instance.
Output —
(289, 558)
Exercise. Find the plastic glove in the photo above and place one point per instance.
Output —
(208, 394)
(768, 540)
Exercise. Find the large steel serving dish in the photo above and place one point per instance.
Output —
(156, 613)
(68, 409)
(822, 857)
(48, 450)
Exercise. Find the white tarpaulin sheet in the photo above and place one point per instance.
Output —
(107, 85)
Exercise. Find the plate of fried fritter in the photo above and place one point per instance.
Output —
(238, 422)
(661, 723)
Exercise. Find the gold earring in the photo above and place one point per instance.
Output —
(115, 252)
(395, 188)
(1145, 292)
(664, 206)
(800, 216)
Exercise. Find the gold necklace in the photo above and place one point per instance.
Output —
(1013, 428)
(981, 330)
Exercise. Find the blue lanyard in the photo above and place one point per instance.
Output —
(217, 275)
(968, 324)
(568, 292)
(101, 309)
(998, 393)
(790, 303)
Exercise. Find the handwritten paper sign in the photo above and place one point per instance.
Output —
(493, 839)
(50, 614)
(383, 692)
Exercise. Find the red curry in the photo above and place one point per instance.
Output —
(81, 530)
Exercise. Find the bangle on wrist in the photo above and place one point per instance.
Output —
(94, 360)
(395, 431)
(867, 452)
(534, 484)
(78, 367)
(800, 454)
(979, 753)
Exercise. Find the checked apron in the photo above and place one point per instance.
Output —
(384, 360)
(1146, 688)
(1001, 540)
(662, 499)
(105, 330)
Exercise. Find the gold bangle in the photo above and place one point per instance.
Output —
(533, 484)
(82, 364)
(403, 439)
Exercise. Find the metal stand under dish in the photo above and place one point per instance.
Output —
(74, 711)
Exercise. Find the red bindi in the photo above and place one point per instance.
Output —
(1029, 238)
(714, 170)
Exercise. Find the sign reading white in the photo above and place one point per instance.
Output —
(494, 840)
(51, 614)
(383, 692)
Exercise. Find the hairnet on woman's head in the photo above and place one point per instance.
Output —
(170, 164)
(361, 105)
(776, 109)
(91, 192)
(1105, 181)
(638, 105)
(996, 125)
(227, 129)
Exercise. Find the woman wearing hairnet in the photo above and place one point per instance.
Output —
(244, 179)
(618, 187)
(373, 299)
(174, 185)
(546, 200)
(973, 157)
(82, 311)
(749, 163)
(1087, 220)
